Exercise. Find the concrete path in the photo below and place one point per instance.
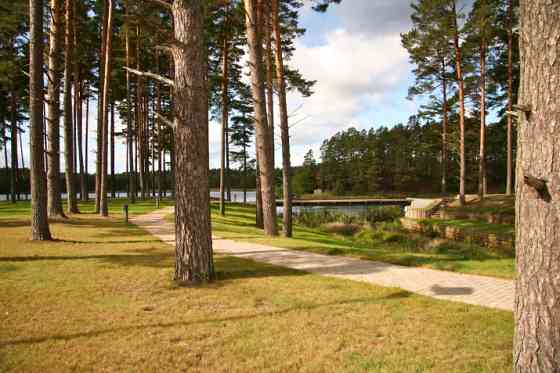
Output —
(477, 290)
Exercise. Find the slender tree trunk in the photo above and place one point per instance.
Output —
(461, 82)
(14, 147)
(39, 219)
(139, 121)
(113, 186)
(537, 316)
(284, 128)
(86, 182)
(68, 113)
(244, 181)
(129, 130)
(269, 79)
(259, 220)
(509, 177)
(104, 206)
(444, 131)
(78, 93)
(159, 131)
(83, 190)
(225, 116)
(482, 153)
(100, 110)
(263, 143)
(194, 257)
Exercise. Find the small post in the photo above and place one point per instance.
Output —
(157, 202)
(125, 213)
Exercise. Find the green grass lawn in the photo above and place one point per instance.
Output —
(391, 247)
(23, 208)
(101, 298)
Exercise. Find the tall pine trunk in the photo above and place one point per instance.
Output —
(509, 166)
(225, 117)
(86, 149)
(103, 202)
(461, 83)
(53, 109)
(444, 129)
(113, 186)
(14, 146)
(537, 316)
(482, 153)
(263, 143)
(100, 109)
(68, 112)
(284, 128)
(194, 257)
(39, 219)
(129, 130)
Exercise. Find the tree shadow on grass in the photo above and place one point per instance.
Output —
(396, 296)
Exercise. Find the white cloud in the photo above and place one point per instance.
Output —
(354, 73)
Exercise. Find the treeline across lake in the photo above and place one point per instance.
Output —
(404, 158)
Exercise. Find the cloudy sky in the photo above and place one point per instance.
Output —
(362, 73)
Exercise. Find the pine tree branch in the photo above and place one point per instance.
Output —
(157, 77)
(165, 121)
(163, 3)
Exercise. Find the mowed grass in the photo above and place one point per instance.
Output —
(101, 298)
(22, 209)
(390, 247)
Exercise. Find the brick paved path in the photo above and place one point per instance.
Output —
(471, 289)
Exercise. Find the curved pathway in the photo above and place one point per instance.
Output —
(471, 289)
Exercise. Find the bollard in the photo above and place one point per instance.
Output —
(125, 213)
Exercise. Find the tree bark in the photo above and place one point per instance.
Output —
(113, 186)
(269, 79)
(79, 136)
(284, 128)
(68, 112)
(103, 202)
(225, 117)
(482, 153)
(461, 83)
(263, 143)
(39, 219)
(86, 196)
(100, 110)
(129, 131)
(444, 129)
(14, 147)
(509, 166)
(194, 257)
(537, 316)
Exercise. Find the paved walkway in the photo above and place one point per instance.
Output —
(478, 290)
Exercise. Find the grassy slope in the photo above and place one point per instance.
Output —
(238, 224)
(101, 299)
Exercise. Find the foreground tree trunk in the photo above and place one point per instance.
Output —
(53, 110)
(85, 197)
(194, 258)
(509, 166)
(103, 202)
(537, 312)
(39, 220)
(68, 116)
(284, 128)
(263, 140)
